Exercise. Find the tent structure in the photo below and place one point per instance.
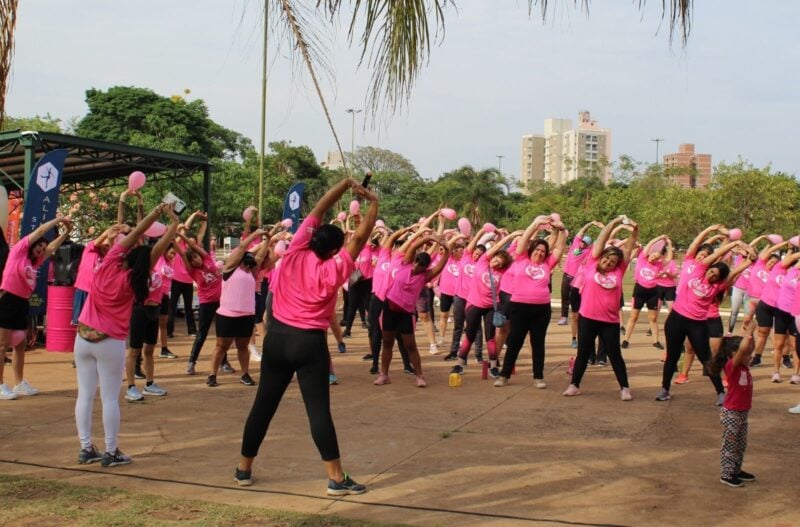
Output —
(103, 162)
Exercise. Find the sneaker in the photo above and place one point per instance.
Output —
(451, 357)
(479, 358)
(776, 378)
(409, 370)
(649, 333)
(682, 379)
(434, 349)
(342, 347)
(243, 477)
(346, 335)
(332, 379)
(192, 332)
(227, 368)
(621, 329)
(624, 344)
(540, 384)
(247, 380)
(190, 369)
(720, 398)
(663, 395)
(255, 355)
(755, 361)
(133, 395)
(440, 341)
(374, 370)
(787, 363)
(421, 382)
(745, 476)
(795, 379)
(167, 354)
(657, 345)
(368, 357)
(24, 388)
(494, 373)
(574, 344)
(625, 394)
(562, 321)
(732, 481)
(459, 369)
(500, 382)
(6, 393)
(381, 380)
(345, 487)
(601, 363)
(89, 455)
(117, 458)
(154, 389)
(571, 391)
(795, 409)
(139, 374)
(211, 381)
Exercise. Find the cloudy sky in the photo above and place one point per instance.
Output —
(497, 74)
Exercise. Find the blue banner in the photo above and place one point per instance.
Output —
(291, 205)
(41, 205)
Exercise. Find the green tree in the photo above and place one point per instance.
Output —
(380, 160)
(480, 195)
(40, 123)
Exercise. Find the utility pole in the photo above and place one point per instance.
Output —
(263, 119)
(657, 141)
(352, 112)
(500, 164)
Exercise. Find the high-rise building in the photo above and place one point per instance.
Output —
(333, 160)
(691, 170)
(565, 153)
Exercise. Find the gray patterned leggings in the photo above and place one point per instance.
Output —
(734, 441)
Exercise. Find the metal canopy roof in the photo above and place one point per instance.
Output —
(92, 160)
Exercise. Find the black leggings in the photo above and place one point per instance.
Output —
(566, 284)
(207, 312)
(677, 329)
(376, 334)
(459, 306)
(588, 331)
(527, 320)
(473, 317)
(289, 350)
(357, 300)
(181, 289)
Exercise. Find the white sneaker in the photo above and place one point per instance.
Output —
(24, 388)
(155, 389)
(255, 355)
(572, 391)
(625, 394)
(440, 341)
(133, 395)
(795, 409)
(776, 377)
(540, 383)
(434, 349)
(795, 379)
(6, 394)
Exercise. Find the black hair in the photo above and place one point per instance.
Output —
(34, 244)
(612, 250)
(537, 242)
(326, 240)
(480, 247)
(506, 258)
(727, 349)
(423, 259)
(138, 261)
(723, 269)
(190, 254)
(249, 260)
(705, 247)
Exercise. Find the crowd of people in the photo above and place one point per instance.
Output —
(490, 289)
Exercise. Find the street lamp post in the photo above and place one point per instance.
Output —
(500, 163)
(353, 112)
(657, 141)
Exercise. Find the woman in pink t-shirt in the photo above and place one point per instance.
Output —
(466, 272)
(599, 312)
(91, 258)
(766, 312)
(530, 309)
(313, 269)
(122, 278)
(165, 268)
(18, 283)
(649, 265)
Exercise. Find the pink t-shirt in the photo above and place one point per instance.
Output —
(237, 299)
(448, 279)
(668, 281)
(740, 387)
(695, 294)
(743, 280)
(179, 271)
(646, 272)
(110, 301)
(601, 293)
(575, 256)
(480, 293)
(308, 298)
(788, 289)
(769, 295)
(531, 279)
(758, 278)
(466, 274)
(19, 276)
(381, 275)
(208, 279)
(363, 262)
(406, 287)
(165, 267)
(90, 260)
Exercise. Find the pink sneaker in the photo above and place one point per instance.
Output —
(421, 382)
(625, 394)
(572, 390)
(682, 379)
(795, 379)
(381, 380)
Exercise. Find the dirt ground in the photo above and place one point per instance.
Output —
(472, 455)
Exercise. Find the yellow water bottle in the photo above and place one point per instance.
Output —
(454, 380)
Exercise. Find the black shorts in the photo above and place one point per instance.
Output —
(234, 327)
(765, 314)
(397, 321)
(445, 302)
(261, 302)
(715, 330)
(13, 311)
(575, 299)
(784, 323)
(666, 292)
(645, 296)
(164, 307)
(144, 326)
(504, 305)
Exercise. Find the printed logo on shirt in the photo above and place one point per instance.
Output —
(762, 275)
(155, 281)
(487, 282)
(605, 281)
(166, 270)
(779, 279)
(647, 273)
(385, 266)
(690, 269)
(30, 275)
(535, 271)
(699, 288)
(746, 273)
(743, 378)
(469, 270)
(453, 269)
(208, 278)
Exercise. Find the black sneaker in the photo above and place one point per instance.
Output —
(211, 381)
(192, 332)
(494, 373)
(450, 357)
(139, 374)
(343, 349)
(345, 487)
(459, 369)
(368, 357)
(649, 332)
(190, 369)
(243, 477)
(624, 344)
(374, 370)
(479, 358)
(409, 370)
(89, 455)
(115, 459)
(346, 335)
(658, 345)
(745, 476)
(732, 481)
(227, 368)
(787, 363)
(167, 354)
(755, 361)
(247, 380)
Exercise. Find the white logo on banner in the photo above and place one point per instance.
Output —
(294, 200)
(46, 177)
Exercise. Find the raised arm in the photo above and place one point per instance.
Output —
(412, 249)
(691, 252)
(505, 240)
(769, 249)
(741, 355)
(132, 238)
(362, 233)
(44, 228)
(53, 246)
(649, 246)
(166, 239)
(330, 198)
(604, 236)
(744, 264)
(192, 245)
(533, 228)
(439, 267)
(236, 255)
(721, 251)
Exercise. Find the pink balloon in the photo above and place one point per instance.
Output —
(247, 214)
(341, 216)
(280, 248)
(488, 227)
(287, 223)
(136, 180)
(658, 246)
(465, 226)
(795, 241)
(355, 206)
(735, 234)
(155, 230)
(775, 239)
(449, 214)
(379, 223)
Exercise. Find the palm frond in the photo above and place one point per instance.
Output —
(8, 21)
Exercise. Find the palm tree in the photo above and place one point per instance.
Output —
(8, 21)
(479, 195)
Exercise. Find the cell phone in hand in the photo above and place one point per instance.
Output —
(179, 204)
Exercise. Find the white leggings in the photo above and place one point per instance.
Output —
(102, 361)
